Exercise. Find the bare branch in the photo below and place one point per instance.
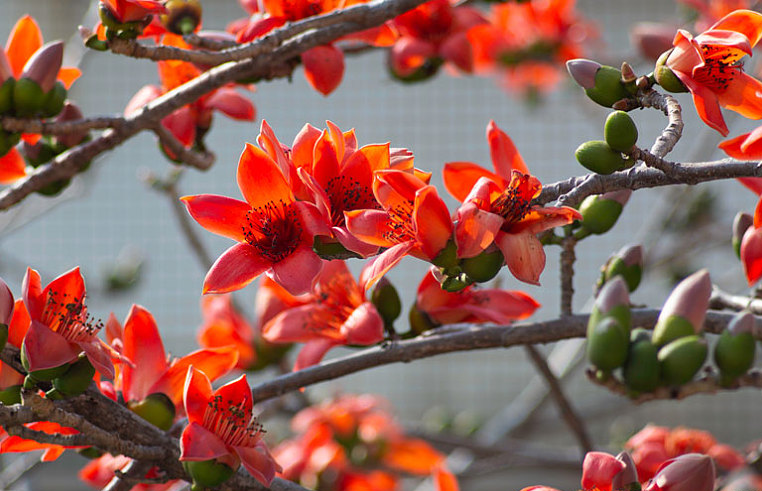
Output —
(725, 301)
(567, 274)
(59, 127)
(199, 160)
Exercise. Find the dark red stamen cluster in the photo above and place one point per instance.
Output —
(514, 203)
(718, 71)
(274, 230)
(232, 423)
(400, 223)
(69, 317)
(345, 194)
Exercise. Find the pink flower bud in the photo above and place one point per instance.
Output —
(6, 303)
(741, 224)
(629, 474)
(44, 64)
(621, 197)
(652, 38)
(741, 323)
(689, 300)
(583, 71)
(689, 472)
(70, 112)
(631, 255)
(5, 67)
(613, 293)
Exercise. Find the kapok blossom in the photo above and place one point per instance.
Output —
(339, 315)
(133, 10)
(225, 326)
(710, 66)
(61, 327)
(274, 231)
(498, 204)
(221, 426)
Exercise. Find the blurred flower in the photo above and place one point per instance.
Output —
(132, 10)
(225, 326)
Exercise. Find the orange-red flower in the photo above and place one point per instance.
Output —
(99, 472)
(339, 315)
(221, 426)
(744, 147)
(709, 65)
(751, 244)
(529, 42)
(133, 10)
(504, 195)
(60, 327)
(274, 231)
(333, 436)
(710, 11)
(414, 220)
(225, 326)
(150, 370)
(193, 120)
(472, 304)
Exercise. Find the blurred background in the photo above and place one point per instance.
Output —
(109, 214)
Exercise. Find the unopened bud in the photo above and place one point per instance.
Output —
(688, 472)
(207, 473)
(420, 321)
(628, 263)
(684, 311)
(642, 371)
(607, 343)
(599, 157)
(735, 348)
(6, 303)
(602, 83)
(583, 71)
(666, 77)
(612, 301)
(157, 408)
(620, 131)
(387, 301)
(54, 100)
(76, 379)
(681, 359)
(44, 64)
(600, 213)
(628, 74)
(70, 112)
(741, 223)
(484, 266)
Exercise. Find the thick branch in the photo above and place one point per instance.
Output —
(468, 337)
(59, 127)
(725, 301)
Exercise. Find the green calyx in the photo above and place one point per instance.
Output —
(76, 379)
(28, 98)
(6, 96)
(484, 266)
(681, 359)
(734, 354)
(157, 408)
(597, 156)
(599, 215)
(671, 328)
(447, 257)
(54, 100)
(620, 131)
(665, 77)
(607, 343)
(608, 87)
(641, 371)
(207, 473)
(329, 249)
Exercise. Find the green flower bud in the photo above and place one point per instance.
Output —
(28, 98)
(207, 473)
(157, 408)
(641, 371)
(420, 321)
(455, 283)
(11, 395)
(600, 213)
(54, 100)
(598, 156)
(602, 83)
(329, 248)
(484, 266)
(6, 96)
(607, 344)
(681, 359)
(684, 311)
(666, 77)
(741, 223)
(448, 256)
(735, 348)
(612, 301)
(76, 379)
(182, 17)
(627, 263)
(620, 131)
(387, 301)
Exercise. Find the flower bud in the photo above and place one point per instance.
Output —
(607, 343)
(599, 157)
(602, 83)
(666, 77)
(612, 301)
(684, 311)
(741, 224)
(484, 266)
(182, 17)
(70, 112)
(681, 358)
(688, 472)
(751, 254)
(600, 213)
(735, 348)
(620, 131)
(628, 263)
(76, 379)
(157, 408)
(420, 321)
(44, 64)
(641, 371)
(629, 475)
(6, 304)
(652, 38)
(54, 100)
(207, 473)
(387, 301)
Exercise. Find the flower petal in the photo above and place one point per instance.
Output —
(213, 362)
(323, 67)
(743, 95)
(598, 469)
(237, 393)
(144, 347)
(751, 254)
(432, 221)
(12, 167)
(524, 256)
(219, 214)
(475, 229)
(99, 355)
(746, 22)
(196, 394)
(364, 326)
(197, 444)
(460, 178)
(412, 455)
(258, 462)
(25, 38)
(302, 324)
(381, 264)
(297, 272)
(505, 157)
(312, 352)
(234, 269)
(370, 226)
(260, 179)
(45, 348)
(233, 104)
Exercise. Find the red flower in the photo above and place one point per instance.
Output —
(751, 248)
(221, 426)
(709, 66)
(339, 315)
(273, 230)
(414, 221)
(225, 326)
(61, 327)
(503, 197)
(151, 370)
(133, 10)
(473, 305)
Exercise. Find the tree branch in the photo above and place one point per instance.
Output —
(21, 125)
(190, 157)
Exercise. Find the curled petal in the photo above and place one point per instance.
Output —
(219, 214)
(47, 349)
(234, 269)
(323, 67)
(233, 104)
(258, 462)
(524, 256)
(298, 271)
(312, 353)
(197, 444)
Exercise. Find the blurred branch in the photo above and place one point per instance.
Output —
(190, 157)
(725, 301)
(60, 127)
(567, 273)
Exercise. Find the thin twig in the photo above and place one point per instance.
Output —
(725, 301)
(567, 274)
(570, 416)
(199, 160)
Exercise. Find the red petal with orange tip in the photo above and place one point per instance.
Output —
(745, 147)
(232, 104)
(68, 75)
(196, 394)
(260, 179)
(432, 221)
(213, 362)
(743, 96)
(25, 38)
(144, 347)
(234, 269)
(505, 157)
(12, 167)
(746, 22)
(460, 178)
(219, 214)
(198, 444)
(751, 254)
(324, 67)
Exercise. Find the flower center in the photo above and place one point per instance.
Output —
(232, 423)
(345, 194)
(400, 223)
(67, 315)
(274, 230)
(514, 203)
(720, 67)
